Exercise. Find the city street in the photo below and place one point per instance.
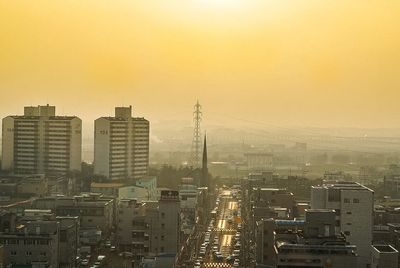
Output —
(222, 240)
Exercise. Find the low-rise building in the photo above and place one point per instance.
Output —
(32, 243)
(143, 189)
(353, 204)
(384, 256)
(312, 242)
(69, 240)
(23, 185)
(93, 210)
(149, 228)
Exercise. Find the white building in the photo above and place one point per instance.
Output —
(353, 204)
(41, 142)
(150, 184)
(121, 145)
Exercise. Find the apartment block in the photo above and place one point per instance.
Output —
(39, 142)
(121, 146)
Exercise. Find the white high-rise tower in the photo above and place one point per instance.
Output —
(41, 142)
(121, 145)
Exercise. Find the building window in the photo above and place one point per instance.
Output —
(162, 238)
(29, 253)
(334, 195)
(13, 253)
(347, 233)
(161, 249)
(43, 254)
(346, 200)
(349, 223)
(348, 212)
(162, 225)
(356, 200)
(162, 215)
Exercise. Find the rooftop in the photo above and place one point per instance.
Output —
(342, 185)
(106, 185)
(385, 248)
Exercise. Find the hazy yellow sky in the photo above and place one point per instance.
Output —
(299, 62)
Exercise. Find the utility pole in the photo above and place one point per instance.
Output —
(196, 142)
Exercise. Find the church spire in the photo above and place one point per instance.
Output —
(205, 152)
(204, 168)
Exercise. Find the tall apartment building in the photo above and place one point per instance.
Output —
(121, 145)
(353, 204)
(41, 142)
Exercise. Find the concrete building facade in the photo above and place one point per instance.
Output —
(149, 228)
(353, 204)
(93, 210)
(121, 145)
(312, 242)
(35, 243)
(39, 142)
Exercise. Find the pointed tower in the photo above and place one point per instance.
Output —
(204, 168)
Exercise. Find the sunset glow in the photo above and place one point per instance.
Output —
(269, 54)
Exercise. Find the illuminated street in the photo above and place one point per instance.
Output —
(222, 243)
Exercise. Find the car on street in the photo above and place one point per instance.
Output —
(126, 254)
(202, 252)
(230, 259)
(218, 256)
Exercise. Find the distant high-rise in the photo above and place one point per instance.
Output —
(121, 145)
(41, 142)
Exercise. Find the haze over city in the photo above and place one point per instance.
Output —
(285, 63)
(200, 134)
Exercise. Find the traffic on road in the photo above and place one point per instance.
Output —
(221, 246)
